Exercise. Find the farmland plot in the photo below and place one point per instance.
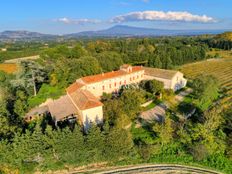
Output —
(8, 67)
(220, 68)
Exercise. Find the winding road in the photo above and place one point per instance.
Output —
(161, 169)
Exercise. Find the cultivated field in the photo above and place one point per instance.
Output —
(9, 67)
(220, 53)
(220, 68)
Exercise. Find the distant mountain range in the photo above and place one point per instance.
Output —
(24, 35)
(115, 31)
(128, 31)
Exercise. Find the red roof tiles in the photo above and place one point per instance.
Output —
(84, 99)
(73, 87)
(108, 75)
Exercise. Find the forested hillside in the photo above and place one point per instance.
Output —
(221, 41)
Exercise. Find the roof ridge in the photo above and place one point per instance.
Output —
(87, 96)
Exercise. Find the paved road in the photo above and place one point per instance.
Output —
(158, 112)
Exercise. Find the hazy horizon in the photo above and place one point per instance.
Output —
(62, 17)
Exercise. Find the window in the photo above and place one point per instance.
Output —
(109, 85)
(103, 87)
(137, 76)
(124, 82)
(130, 79)
(120, 83)
(115, 84)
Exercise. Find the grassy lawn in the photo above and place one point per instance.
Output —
(152, 105)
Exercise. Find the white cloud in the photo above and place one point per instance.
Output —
(77, 21)
(162, 16)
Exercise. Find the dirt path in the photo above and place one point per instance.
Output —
(144, 168)
(17, 60)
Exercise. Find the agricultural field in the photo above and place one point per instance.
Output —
(215, 53)
(219, 68)
(9, 67)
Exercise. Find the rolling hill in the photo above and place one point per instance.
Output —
(129, 31)
(115, 31)
(24, 35)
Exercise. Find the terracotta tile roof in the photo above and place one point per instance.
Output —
(137, 68)
(61, 107)
(108, 75)
(160, 73)
(83, 99)
(73, 87)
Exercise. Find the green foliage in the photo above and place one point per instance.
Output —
(20, 105)
(152, 86)
(65, 65)
(142, 136)
(109, 61)
(35, 149)
(225, 36)
(7, 122)
(46, 91)
(204, 139)
(2, 76)
(199, 152)
(155, 61)
(164, 131)
(32, 74)
(118, 144)
(205, 90)
(121, 111)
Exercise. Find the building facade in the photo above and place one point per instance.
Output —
(82, 99)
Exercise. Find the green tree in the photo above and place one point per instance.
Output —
(94, 144)
(152, 86)
(20, 105)
(205, 90)
(155, 61)
(31, 75)
(164, 131)
(2, 76)
(7, 122)
(118, 144)
(109, 61)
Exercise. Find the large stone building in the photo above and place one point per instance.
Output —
(82, 100)
(172, 79)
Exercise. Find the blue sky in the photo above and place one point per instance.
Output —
(68, 16)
